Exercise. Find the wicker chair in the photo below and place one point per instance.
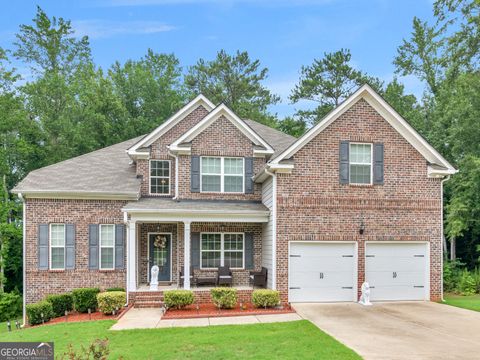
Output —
(224, 276)
(259, 278)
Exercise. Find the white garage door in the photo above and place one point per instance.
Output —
(321, 272)
(397, 271)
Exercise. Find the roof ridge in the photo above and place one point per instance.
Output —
(269, 127)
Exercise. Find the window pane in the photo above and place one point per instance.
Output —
(233, 259)
(159, 168)
(57, 234)
(211, 165)
(233, 184)
(210, 259)
(106, 258)
(211, 183)
(233, 166)
(58, 258)
(211, 242)
(360, 174)
(233, 242)
(160, 185)
(106, 235)
(360, 153)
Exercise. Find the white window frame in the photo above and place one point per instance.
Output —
(350, 163)
(169, 177)
(50, 246)
(222, 174)
(107, 247)
(222, 249)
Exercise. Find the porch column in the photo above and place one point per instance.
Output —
(186, 255)
(132, 257)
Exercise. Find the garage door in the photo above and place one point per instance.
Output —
(322, 272)
(397, 271)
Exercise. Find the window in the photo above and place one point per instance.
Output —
(160, 177)
(221, 250)
(57, 246)
(107, 247)
(360, 163)
(222, 174)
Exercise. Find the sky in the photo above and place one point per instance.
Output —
(282, 34)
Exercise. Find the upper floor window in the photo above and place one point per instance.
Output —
(220, 174)
(160, 177)
(220, 249)
(107, 246)
(57, 246)
(360, 163)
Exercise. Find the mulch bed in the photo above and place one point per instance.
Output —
(210, 310)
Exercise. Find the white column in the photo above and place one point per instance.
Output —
(132, 257)
(186, 255)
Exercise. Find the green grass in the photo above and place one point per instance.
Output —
(3, 326)
(471, 302)
(291, 340)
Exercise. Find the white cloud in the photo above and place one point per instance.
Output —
(96, 28)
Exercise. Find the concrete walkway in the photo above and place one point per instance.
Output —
(151, 318)
(400, 330)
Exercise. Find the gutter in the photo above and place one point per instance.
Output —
(274, 228)
(176, 173)
(24, 270)
(442, 233)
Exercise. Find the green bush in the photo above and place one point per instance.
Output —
(466, 284)
(115, 289)
(265, 298)
(178, 299)
(84, 299)
(223, 297)
(111, 300)
(35, 311)
(452, 271)
(476, 277)
(10, 306)
(60, 303)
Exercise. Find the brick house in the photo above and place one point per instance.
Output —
(357, 198)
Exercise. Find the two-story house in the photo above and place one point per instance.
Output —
(357, 198)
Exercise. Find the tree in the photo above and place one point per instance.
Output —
(235, 81)
(327, 82)
(292, 126)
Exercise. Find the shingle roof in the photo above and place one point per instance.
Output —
(278, 140)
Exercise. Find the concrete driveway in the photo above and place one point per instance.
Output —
(400, 330)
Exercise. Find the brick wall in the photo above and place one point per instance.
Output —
(81, 213)
(313, 205)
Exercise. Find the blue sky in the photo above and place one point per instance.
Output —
(283, 34)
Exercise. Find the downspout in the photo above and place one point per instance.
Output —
(125, 221)
(274, 228)
(24, 270)
(442, 233)
(176, 174)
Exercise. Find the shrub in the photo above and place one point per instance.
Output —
(84, 299)
(115, 289)
(265, 298)
(98, 349)
(178, 299)
(111, 300)
(451, 274)
(10, 306)
(60, 303)
(476, 277)
(35, 311)
(224, 298)
(466, 284)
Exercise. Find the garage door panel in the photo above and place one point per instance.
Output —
(399, 250)
(321, 279)
(397, 293)
(388, 263)
(313, 294)
(396, 278)
(322, 263)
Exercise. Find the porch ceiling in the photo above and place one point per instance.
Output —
(162, 209)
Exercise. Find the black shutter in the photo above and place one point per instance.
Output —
(69, 246)
(93, 246)
(248, 175)
(249, 251)
(195, 250)
(195, 174)
(378, 163)
(344, 162)
(119, 246)
(43, 247)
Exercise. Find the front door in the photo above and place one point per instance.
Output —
(160, 246)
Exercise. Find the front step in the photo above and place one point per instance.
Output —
(148, 300)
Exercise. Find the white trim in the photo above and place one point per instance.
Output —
(355, 255)
(222, 175)
(159, 177)
(83, 195)
(355, 163)
(24, 260)
(387, 112)
(220, 110)
(190, 217)
(56, 246)
(169, 123)
(148, 252)
(222, 249)
(427, 262)
(107, 247)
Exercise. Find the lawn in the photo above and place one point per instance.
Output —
(291, 340)
(471, 302)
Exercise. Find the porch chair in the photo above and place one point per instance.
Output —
(259, 278)
(181, 277)
(224, 276)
